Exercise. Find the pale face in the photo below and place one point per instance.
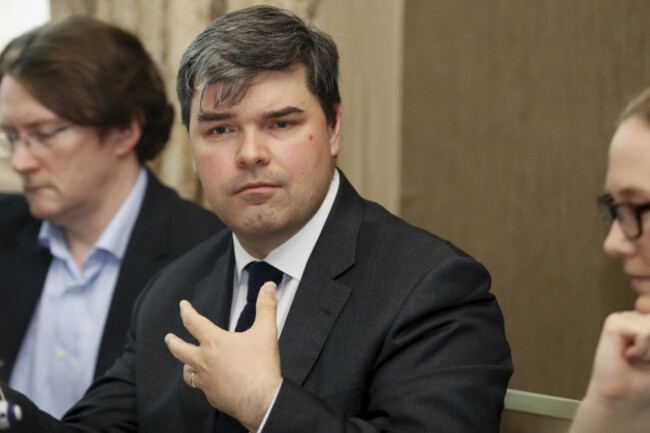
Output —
(69, 181)
(628, 180)
(266, 162)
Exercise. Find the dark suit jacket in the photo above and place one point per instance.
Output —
(166, 228)
(391, 329)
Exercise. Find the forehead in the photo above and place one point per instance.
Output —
(266, 91)
(18, 106)
(628, 169)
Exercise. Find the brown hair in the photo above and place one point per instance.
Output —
(93, 74)
(638, 107)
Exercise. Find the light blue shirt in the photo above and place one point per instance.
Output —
(57, 358)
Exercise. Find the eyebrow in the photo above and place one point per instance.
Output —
(631, 193)
(274, 114)
(31, 125)
(211, 116)
(282, 112)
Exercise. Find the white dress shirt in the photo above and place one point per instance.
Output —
(291, 258)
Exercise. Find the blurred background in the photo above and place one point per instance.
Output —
(484, 121)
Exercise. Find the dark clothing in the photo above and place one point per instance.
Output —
(391, 329)
(166, 227)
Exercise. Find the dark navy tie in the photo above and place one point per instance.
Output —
(258, 274)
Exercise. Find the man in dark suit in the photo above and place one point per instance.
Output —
(82, 108)
(382, 326)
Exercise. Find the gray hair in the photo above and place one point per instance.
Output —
(238, 46)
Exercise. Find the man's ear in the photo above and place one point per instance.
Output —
(124, 140)
(335, 132)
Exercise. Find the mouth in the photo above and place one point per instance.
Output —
(30, 189)
(640, 283)
(255, 188)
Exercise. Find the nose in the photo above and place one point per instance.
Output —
(617, 244)
(22, 160)
(253, 150)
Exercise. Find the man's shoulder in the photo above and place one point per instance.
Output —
(402, 241)
(13, 203)
(381, 236)
(14, 216)
(193, 220)
(201, 258)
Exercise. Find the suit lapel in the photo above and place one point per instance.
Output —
(320, 298)
(211, 297)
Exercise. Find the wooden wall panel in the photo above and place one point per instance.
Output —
(508, 109)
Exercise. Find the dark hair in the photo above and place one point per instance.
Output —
(93, 74)
(240, 45)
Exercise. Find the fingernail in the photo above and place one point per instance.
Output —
(268, 288)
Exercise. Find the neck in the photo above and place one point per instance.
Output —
(82, 233)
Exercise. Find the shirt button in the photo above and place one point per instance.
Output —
(76, 289)
(61, 354)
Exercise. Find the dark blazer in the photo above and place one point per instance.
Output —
(391, 329)
(166, 228)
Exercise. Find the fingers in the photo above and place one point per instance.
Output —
(199, 326)
(181, 349)
(266, 307)
(633, 329)
(190, 376)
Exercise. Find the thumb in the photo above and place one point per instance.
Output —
(266, 306)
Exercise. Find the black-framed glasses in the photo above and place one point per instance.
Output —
(36, 139)
(628, 215)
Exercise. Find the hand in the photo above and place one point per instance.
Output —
(618, 396)
(239, 373)
(622, 364)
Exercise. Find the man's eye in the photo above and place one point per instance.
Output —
(42, 135)
(281, 124)
(219, 130)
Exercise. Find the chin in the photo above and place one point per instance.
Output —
(642, 304)
(42, 211)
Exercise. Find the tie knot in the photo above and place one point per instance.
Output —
(259, 273)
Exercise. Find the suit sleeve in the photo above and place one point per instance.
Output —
(443, 366)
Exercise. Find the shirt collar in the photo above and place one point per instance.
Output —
(291, 257)
(115, 237)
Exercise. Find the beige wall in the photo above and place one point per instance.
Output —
(369, 36)
(508, 109)
(9, 181)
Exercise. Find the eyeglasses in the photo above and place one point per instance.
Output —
(36, 140)
(628, 215)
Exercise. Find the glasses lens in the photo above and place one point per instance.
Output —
(628, 221)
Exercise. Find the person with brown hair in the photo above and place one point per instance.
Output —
(618, 395)
(82, 109)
